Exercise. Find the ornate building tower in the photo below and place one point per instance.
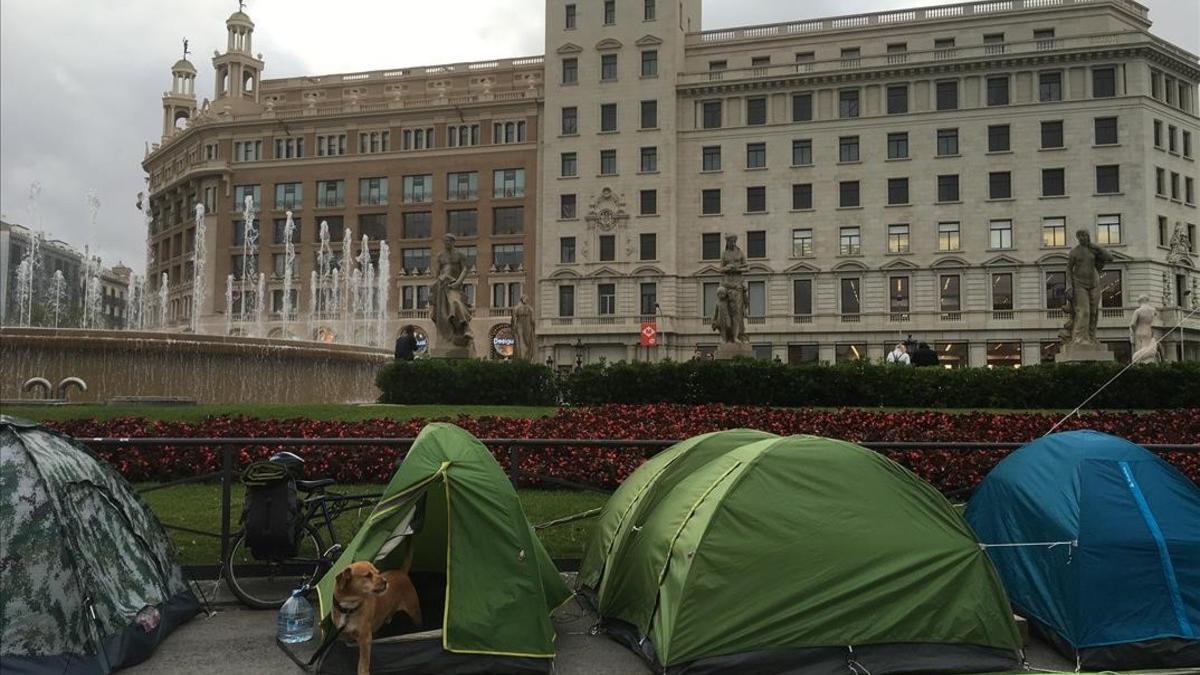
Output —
(238, 70)
(179, 104)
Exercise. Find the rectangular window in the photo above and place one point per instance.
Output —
(1002, 291)
(850, 56)
(848, 194)
(802, 242)
(415, 225)
(802, 196)
(947, 142)
(566, 301)
(331, 145)
(998, 138)
(1000, 185)
(606, 299)
(569, 165)
(848, 149)
(897, 99)
(240, 192)
(898, 296)
(710, 158)
(650, 63)
(710, 246)
(948, 237)
(1162, 230)
(608, 117)
(1187, 144)
(1108, 229)
(756, 244)
(1106, 131)
(334, 227)
(756, 199)
(462, 135)
(567, 207)
(897, 52)
(1104, 82)
(897, 191)
(1054, 182)
(463, 222)
(949, 296)
(247, 151)
(1172, 138)
(648, 202)
(898, 238)
(1050, 86)
(649, 115)
(610, 12)
(370, 142)
(289, 196)
(608, 67)
(608, 247)
(947, 188)
(372, 191)
(570, 121)
(608, 162)
(802, 109)
(1108, 179)
(508, 220)
(649, 163)
(1056, 290)
(947, 95)
(1001, 233)
(278, 233)
(757, 295)
(849, 241)
(1054, 232)
(1190, 192)
(511, 256)
(717, 66)
(1110, 290)
(648, 10)
(710, 202)
(802, 303)
(649, 298)
(756, 155)
(570, 71)
(331, 194)
(462, 186)
(851, 299)
(848, 103)
(1052, 134)
(414, 259)
(570, 22)
(802, 154)
(708, 297)
(288, 148)
(756, 110)
(648, 246)
(997, 90)
(897, 145)
(711, 114)
(1158, 133)
(418, 189)
(566, 250)
(1160, 182)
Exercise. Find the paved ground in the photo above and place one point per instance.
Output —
(238, 641)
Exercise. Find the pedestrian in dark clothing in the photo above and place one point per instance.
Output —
(924, 356)
(406, 345)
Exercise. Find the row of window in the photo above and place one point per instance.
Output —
(608, 67)
(1187, 195)
(607, 248)
(412, 297)
(372, 142)
(1179, 141)
(505, 257)
(418, 189)
(647, 119)
(1173, 92)
(506, 221)
(571, 14)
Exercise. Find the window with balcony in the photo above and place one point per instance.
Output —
(566, 301)
(1056, 290)
(850, 295)
(508, 220)
(606, 300)
(511, 256)
(993, 43)
(649, 298)
(949, 294)
(462, 223)
(508, 183)
(898, 296)
(462, 186)
(1002, 291)
(802, 300)
(802, 242)
(1000, 234)
(416, 259)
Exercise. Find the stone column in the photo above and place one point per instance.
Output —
(977, 354)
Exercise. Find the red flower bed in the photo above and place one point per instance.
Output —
(607, 467)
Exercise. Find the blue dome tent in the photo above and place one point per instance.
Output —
(1097, 542)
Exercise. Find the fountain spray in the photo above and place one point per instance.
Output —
(199, 288)
(289, 266)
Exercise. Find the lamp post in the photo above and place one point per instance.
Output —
(579, 349)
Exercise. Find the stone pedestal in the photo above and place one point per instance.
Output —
(728, 351)
(1074, 353)
(451, 352)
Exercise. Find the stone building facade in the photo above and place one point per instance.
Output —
(915, 172)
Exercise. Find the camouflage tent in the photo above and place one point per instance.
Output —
(89, 581)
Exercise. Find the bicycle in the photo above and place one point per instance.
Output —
(267, 584)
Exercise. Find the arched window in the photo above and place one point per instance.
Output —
(224, 79)
(248, 82)
(181, 119)
(452, 137)
(520, 132)
(509, 132)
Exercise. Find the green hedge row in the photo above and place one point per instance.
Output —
(746, 382)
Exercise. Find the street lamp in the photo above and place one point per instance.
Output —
(579, 348)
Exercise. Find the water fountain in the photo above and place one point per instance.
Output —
(163, 294)
(58, 295)
(134, 304)
(365, 295)
(91, 292)
(345, 301)
(289, 267)
(199, 286)
(249, 259)
(384, 282)
(260, 307)
(24, 291)
(229, 305)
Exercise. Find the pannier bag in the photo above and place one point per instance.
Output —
(271, 515)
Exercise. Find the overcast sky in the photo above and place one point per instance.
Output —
(81, 82)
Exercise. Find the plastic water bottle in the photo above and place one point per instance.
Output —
(296, 619)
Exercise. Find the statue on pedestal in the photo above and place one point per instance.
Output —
(1141, 332)
(524, 331)
(1084, 265)
(729, 316)
(448, 304)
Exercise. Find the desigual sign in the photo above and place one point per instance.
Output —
(503, 341)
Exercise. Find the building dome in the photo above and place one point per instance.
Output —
(239, 17)
(183, 65)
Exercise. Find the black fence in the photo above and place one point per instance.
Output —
(513, 450)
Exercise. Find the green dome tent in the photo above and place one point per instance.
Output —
(486, 584)
(89, 581)
(797, 553)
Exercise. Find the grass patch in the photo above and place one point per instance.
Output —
(196, 413)
(198, 506)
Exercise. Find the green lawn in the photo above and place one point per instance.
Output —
(195, 413)
(198, 506)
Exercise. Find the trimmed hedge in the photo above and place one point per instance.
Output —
(748, 382)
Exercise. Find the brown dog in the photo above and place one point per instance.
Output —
(364, 599)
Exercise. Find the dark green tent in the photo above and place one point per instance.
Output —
(89, 583)
(799, 553)
(486, 584)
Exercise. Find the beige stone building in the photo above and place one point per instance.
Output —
(916, 172)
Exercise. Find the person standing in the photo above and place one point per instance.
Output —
(406, 345)
(924, 356)
(899, 355)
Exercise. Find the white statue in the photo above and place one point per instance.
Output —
(1141, 332)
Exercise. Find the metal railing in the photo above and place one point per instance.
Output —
(514, 449)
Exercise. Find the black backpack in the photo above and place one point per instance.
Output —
(271, 515)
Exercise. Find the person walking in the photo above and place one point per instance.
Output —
(924, 356)
(406, 345)
(899, 355)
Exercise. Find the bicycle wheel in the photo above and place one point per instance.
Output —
(263, 584)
